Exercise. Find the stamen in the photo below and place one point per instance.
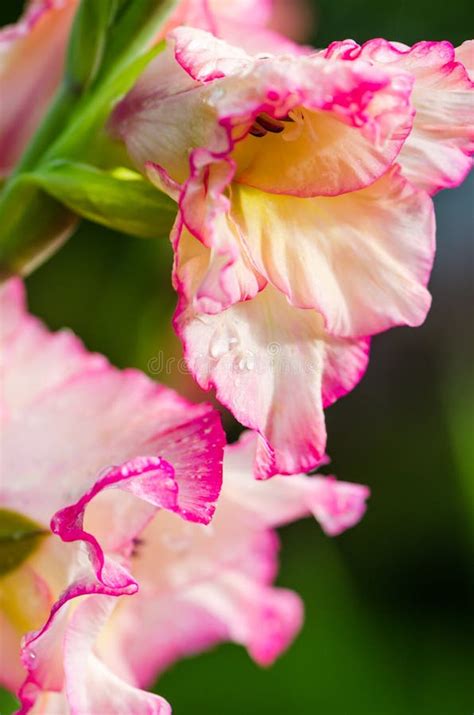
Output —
(257, 131)
(264, 124)
(270, 124)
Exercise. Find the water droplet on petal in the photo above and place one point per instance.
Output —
(219, 347)
(30, 659)
(246, 362)
(222, 344)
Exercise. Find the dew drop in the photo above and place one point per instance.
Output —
(219, 347)
(246, 362)
(30, 657)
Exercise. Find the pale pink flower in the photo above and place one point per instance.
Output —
(246, 23)
(201, 585)
(296, 236)
(32, 56)
(67, 418)
(438, 152)
(186, 585)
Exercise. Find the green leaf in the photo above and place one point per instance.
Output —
(82, 137)
(19, 537)
(120, 199)
(33, 226)
(88, 41)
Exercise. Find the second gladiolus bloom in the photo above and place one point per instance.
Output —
(116, 560)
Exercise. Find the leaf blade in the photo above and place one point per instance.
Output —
(121, 200)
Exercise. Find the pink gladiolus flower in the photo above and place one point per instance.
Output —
(203, 585)
(67, 418)
(297, 235)
(97, 639)
(31, 65)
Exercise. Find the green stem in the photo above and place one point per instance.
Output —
(33, 226)
(32, 222)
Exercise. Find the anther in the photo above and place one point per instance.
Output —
(264, 124)
(257, 131)
(270, 124)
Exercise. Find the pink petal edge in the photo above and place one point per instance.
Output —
(150, 479)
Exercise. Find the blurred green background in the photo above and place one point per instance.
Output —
(389, 624)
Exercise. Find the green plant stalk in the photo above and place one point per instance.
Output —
(92, 112)
(73, 117)
(33, 226)
(88, 41)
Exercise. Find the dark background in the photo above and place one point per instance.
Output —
(389, 627)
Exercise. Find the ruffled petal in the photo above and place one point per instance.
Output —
(205, 57)
(437, 153)
(330, 110)
(31, 65)
(79, 415)
(218, 579)
(219, 582)
(225, 278)
(264, 619)
(362, 259)
(93, 572)
(27, 594)
(87, 684)
(336, 505)
(334, 127)
(92, 687)
(130, 414)
(197, 181)
(274, 367)
(200, 586)
(230, 607)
